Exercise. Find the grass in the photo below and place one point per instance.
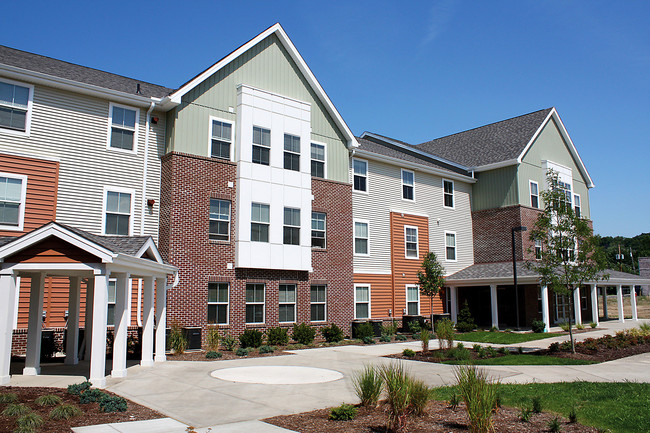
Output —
(620, 407)
(502, 337)
(523, 359)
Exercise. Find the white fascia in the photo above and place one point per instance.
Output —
(495, 165)
(150, 246)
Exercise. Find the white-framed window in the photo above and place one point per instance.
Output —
(362, 301)
(291, 152)
(360, 175)
(411, 242)
(218, 300)
(318, 229)
(287, 303)
(318, 298)
(13, 196)
(15, 107)
(291, 229)
(448, 193)
(260, 219)
(110, 307)
(408, 185)
(123, 128)
(538, 249)
(361, 238)
(261, 145)
(318, 160)
(219, 220)
(450, 246)
(254, 303)
(534, 194)
(577, 205)
(220, 145)
(118, 211)
(412, 300)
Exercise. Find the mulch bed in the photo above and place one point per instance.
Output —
(91, 413)
(437, 418)
(199, 355)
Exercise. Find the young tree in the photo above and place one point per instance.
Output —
(431, 278)
(570, 254)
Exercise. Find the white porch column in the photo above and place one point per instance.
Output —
(594, 304)
(147, 322)
(633, 303)
(121, 322)
(619, 300)
(546, 317)
(7, 314)
(495, 309)
(453, 297)
(161, 315)
(72, 332)
(576, 305)
(88, 323)
(35, 325)
(98, 347)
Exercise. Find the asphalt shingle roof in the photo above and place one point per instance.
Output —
(59, 68)
(129, 245)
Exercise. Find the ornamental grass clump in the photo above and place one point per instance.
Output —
(65, 411)
(479, 395)
(398, 395)
(16, 409)
(445, 333)
(28, 423)
(48, 400)
(368, 384)
(9, 397)
(177, 340)
(425, 336)
(212, 338)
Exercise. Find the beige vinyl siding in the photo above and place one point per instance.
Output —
(266, 66)
(73, 128)
(385, 195)
(495, 188)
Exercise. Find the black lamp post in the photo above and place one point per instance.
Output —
(514, 269)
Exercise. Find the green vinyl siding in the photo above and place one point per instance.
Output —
(266, 66)
(495, 188)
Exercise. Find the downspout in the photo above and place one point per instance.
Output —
(145, 167)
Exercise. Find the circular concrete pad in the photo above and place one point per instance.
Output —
(277, 375)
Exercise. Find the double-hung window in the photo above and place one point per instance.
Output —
(538, 249)
(576, 204)
(411, 242)
(220, 139)
(318, 303)
(408, 185)
(254, 303)
(450, 246)
(360, 172)
(219, 220)
(110, 308)
(361, 301)
(448, 192)
(291, 226)
(318, 229)
(318, 160)
(412, 300)
(118, 209)
(287, 303)
(123, 128)
(12, 201)
(291, 152)
(361, 238)
(15, 103)
(218, 303)
(261, 145)
(534, 194)
(260, 217)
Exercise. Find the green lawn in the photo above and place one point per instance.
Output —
(524, 359)
(620, 407)
(503, 337)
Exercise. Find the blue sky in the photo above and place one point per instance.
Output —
(410, 70)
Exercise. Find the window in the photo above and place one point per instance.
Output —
(291, 226)
(123, 132)
(260, 222)
(448, 192)
(318, 160)
(291, 152)
(12, 201)
(118, 213)
(361, 302)
(219, 220)
(450, 246)
(110, 312)
(220, 139)
(261, 145)
(318, 228)
(534, 195)
(360, 171)
(412, 300)
(361, 238)
(15, 106)
(218, 303)
(576, 204)
(254, 303)
(408, 182)
(411, 242)
(287, 307)
(318, 303)
(538, 249)
(565, 188)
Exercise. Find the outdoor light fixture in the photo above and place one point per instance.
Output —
(514, 268)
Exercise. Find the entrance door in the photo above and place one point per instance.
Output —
(562, 308)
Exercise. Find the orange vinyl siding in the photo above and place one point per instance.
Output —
(52, 250)
(42, 184)
(380, 293)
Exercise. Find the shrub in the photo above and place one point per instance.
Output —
(212, 354)
(525, 413)
(593, 325)
(645, 327)
(241, 351)
(277, 336)
(554, 425)
(580, 326)
(303, 334)
(91, 396)
(465, 322)
(296, 346)
(251, 338)
(385, 339)
(368, 340)
(503, 351)
(494, 329)
(390, 329)
(212, 338)
(228, 342)
(177, 341)
(538, 326)
(445, 333)
(266, 349)
(79, 388)
(459, 354)
(332, 334)
(345, 412)
(520, 350)
(368, 385)
(554, 347)
(65, 411)
(8, 397)
(573, 415)
(479, 395)
(16, 409)
(420, 394)
(408, 353)
(28, 423)
(400, 337)
(48, 400)
(398, 398)
(564, 326)
(365, 330)
(481, 353)
(476, 347)
(425, 335)
(491, 351)
(454, 400)
(113, 403)
(537, 404)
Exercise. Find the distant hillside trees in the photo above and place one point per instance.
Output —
(640, 245)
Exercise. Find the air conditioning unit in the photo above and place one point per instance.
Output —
(620, 256)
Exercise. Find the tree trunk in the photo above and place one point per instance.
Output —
(431, 311)
(571, 312)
